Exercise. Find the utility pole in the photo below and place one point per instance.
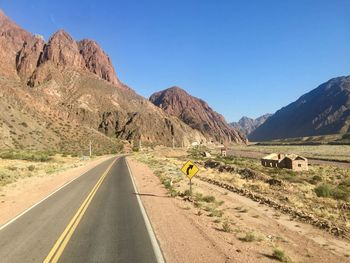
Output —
(90, 148)
(140, 145)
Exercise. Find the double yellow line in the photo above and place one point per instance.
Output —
(57, 250)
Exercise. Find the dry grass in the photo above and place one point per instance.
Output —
(28, 165)
(328, 152)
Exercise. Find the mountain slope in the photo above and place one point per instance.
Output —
(248, 125)
(324, 110)
(62, 93)
(197, 114)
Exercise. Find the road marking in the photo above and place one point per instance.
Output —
(42, 200)
(63, 240)
(157, 251)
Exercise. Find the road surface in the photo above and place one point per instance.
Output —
(95, 218)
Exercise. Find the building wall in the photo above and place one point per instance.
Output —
(296, 165)
(269, 163)
(300, 165)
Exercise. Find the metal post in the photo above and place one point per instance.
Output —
(90, 148)
(191, 187)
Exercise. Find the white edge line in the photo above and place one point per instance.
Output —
(42, 200)
(156, 248)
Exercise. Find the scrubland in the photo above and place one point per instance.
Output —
(17, 165)
(322, 193)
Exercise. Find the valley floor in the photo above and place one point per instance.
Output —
(217, 225)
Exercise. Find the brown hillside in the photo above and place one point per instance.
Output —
(63, 93)
(197, 114)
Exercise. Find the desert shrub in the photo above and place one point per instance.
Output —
(341, 192)
(216, 213)
(31, 168)
(24, 124)
(280, 255)
(226, 227)
(12, 168)
(323, 190)
(251, 236)
(345, 182)
(135, 149)
(316, 179)
(5, 178)
(208, 198)
(28, 156)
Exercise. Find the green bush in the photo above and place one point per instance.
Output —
(31, 168)
(28, 156)
(280, 255)
(341, 192)
(323, 190)
(345, 182)
(208, 198)
(226, 227)
(316, 179)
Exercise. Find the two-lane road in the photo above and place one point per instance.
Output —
(96, 218)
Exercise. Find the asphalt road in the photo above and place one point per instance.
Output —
(96, 218)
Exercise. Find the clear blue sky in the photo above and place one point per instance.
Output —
(242, 57)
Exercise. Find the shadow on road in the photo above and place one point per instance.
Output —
(154, 195)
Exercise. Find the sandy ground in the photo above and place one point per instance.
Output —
(185, 236)
(19, 196)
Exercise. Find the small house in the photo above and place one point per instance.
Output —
(288, 161)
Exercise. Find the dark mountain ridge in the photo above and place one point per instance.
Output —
(324, 110)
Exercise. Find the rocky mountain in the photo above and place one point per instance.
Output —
(62, 93)
(324, 110)
(197, 114)
(247, 125)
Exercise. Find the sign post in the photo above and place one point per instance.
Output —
(190, 169)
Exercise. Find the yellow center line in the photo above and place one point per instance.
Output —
(63, 240)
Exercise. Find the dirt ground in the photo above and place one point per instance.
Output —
(19, 196)
(186, 235)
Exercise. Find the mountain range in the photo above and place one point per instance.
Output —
(247, 125)
(324, 110)
(62, 94)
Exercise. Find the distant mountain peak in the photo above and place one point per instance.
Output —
(197, 114)
(247, 125)
(324, 110)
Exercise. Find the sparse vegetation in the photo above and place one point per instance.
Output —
(28, 156)
(31, 167)
(251, 236)
(226, 227)
(280, 255)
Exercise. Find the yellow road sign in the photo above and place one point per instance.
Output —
(190, 169)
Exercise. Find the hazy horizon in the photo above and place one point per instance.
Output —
(244, 60)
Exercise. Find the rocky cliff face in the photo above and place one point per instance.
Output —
(324, 110)
(248, 125)
(197, 114)
(97, 61)
(62, 93)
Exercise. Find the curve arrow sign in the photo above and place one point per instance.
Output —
(189, 168)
